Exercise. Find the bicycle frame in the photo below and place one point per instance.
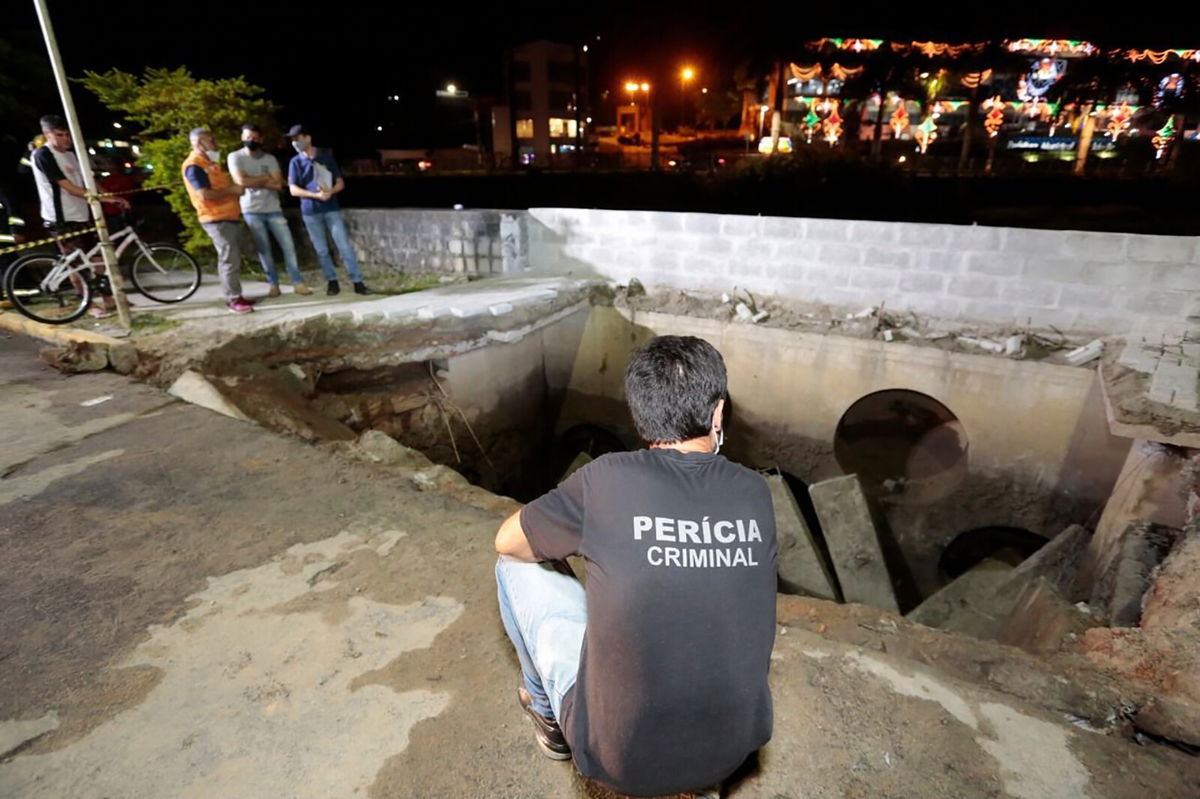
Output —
(63, 269)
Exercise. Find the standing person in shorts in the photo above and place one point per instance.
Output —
(63, 200)
(257, 171)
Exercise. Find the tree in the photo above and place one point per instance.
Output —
(164, 105)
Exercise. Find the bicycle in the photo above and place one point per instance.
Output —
(56, 289)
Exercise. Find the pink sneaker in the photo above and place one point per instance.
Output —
(239, 305)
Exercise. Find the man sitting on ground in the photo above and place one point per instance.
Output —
(654, 679)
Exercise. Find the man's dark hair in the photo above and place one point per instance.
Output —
(251, 127)
(54, 122)
(672, 386)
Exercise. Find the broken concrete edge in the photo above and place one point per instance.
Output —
(1119, 420)
(1064, 682)
(122, 355)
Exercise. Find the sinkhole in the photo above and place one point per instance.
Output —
(962, 457)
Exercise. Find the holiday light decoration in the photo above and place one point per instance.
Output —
(832, 126)
(1043, 74)
(899, 120)
(925, 133)
(805, 74)
(932, 49)
(1163, 137)
(811, 121)
(995, 115)
(1119, 119)
(973, 80)
(843, 73)
(1052, 47)
(1171, 87)
(1158, 56)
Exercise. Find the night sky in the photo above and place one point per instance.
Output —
(332, 64)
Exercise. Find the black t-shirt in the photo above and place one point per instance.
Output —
(680, 550)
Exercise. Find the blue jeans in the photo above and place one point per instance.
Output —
(263, 226)
(331, 221)
(544, 613)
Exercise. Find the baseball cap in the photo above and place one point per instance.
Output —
(298, 130)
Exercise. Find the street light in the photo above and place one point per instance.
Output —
(451, 88)
(685, 76)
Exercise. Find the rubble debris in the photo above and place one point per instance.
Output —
(853, 542)
(96, 401)
(1042, 619)
(1119, 589)
(1149, 489)
(378, 447)
(1014, 346)
(969, 604)
(193, 387)
(802, 567)
(635, 288)
(1057, 562)
(982, 343)
(581, 460)
(76, 356)
(1085, 354)
(122, 357)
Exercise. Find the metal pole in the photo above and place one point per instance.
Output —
(85, 165)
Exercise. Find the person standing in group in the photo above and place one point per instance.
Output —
(63, 200)
(215, 198)
(257, 171)
(314, 177)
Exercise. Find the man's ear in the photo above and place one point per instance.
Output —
(718, 413)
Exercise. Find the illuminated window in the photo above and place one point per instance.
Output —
(560, 128)
(524, 128)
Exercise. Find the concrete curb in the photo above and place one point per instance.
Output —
(121, 355)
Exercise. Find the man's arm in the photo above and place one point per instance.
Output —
(511, 540)
(245, 181)
(199, 180)
(338, 185)
(298, 191)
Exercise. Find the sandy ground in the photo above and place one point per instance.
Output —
(196, 607)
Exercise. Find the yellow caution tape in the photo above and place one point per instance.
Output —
(29, 245)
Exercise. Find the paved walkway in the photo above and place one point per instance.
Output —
(196, 607)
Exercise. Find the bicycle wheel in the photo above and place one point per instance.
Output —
(167, 274)
(28, 288)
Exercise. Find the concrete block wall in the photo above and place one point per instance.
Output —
(1104, 283)
(390, 241)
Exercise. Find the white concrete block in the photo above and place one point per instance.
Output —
(1180, 249)
(882, 234)
(500, 308)
(973, 286)
(736, 225)
(873, 279)
(840, 254)
(1157, 303)
(1182, 275)
(922, 281)
(925, 236)
(1057, 270)
(665, 220)
(783, 227)
(1029, 293)
(1094, 246)
(944, 261)
(896, 257)
(826, 230)
(974, 237)
(1086, 354)
(1046, 243)
(992, 263)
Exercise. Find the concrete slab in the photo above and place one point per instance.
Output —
(1151, 391)
(193, 387)
(1043, 618)
(969, 604)
(802, 567)
(853, 542)
(1119, 589)
(1057, 562)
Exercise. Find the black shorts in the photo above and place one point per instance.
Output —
(84, 242)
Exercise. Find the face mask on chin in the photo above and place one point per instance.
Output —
(252, 145)
(300, 145)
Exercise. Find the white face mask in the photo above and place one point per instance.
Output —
(720, 440)
(213, 155)
(300, 145)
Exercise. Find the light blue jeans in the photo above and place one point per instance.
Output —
(544, 613)
(330, 222)
(263, 226)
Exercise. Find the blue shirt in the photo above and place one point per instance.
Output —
(197, 177)
(314, 174)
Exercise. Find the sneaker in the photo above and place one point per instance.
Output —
(239, 305)
(361, 288)
(332, 288)
(273, 291)
(711, 792)
(545, 731)
(300, 288)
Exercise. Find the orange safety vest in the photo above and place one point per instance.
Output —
(225, 209)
